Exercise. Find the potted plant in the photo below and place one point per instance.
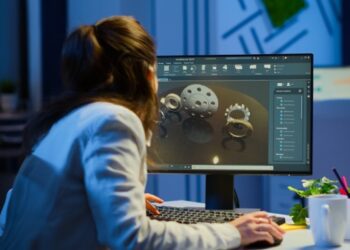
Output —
(8, 98)
(311, 187)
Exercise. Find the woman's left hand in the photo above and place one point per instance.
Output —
(152, 198)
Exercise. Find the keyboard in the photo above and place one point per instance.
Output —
(198, 215)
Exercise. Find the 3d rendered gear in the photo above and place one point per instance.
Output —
(171, 102)
(237, 111)
(237, 121)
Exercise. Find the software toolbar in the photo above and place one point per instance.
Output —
(205, 67)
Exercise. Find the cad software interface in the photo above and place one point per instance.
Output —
(234, 113)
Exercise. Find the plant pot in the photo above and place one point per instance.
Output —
(8, 102)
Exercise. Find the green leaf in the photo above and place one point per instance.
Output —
(328, 188)
(298, 214)
(315, 190)
(328, 181)
(316, 187)
(299, 192)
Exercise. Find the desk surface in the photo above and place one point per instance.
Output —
(300, 239)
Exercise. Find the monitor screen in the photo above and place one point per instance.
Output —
(234, 114)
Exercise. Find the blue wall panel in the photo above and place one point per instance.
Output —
(167, 11)
(9, 42)
(245, 27)
(89, 11)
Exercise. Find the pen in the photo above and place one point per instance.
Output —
(343, 178)
(341, 182)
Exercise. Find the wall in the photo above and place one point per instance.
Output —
(34, 54)
(89, 11)
(247, 27)
(9, 42)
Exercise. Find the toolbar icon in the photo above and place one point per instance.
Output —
(252, 66)
(176, 68)
(238, 66)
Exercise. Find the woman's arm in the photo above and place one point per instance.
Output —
(114, 162)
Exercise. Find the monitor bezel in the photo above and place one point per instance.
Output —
(155, 170)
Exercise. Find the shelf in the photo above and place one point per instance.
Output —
(14, 116)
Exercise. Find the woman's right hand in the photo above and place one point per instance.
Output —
(257, 226)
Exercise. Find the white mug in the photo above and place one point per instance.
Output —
(328, 218)
(347, 231)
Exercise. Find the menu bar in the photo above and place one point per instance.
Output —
(239, 66)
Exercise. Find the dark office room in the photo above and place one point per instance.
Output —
(174, 124)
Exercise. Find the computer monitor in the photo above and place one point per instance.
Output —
(223, 115)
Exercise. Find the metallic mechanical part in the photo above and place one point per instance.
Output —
(237, 121)
(171, 102)
(170, 105)
(238, 112)
(199, 101)
(238, 128)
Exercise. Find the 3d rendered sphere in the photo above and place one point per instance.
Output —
(199, 101)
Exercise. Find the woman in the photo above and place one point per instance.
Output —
(82, 183)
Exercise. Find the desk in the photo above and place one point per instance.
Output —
(293, 240)
(302, 239)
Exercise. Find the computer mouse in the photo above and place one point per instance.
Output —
(263, 244)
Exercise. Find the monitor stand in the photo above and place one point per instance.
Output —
(220, 193)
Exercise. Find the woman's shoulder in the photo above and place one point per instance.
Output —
(105, 108)
(101, 113)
